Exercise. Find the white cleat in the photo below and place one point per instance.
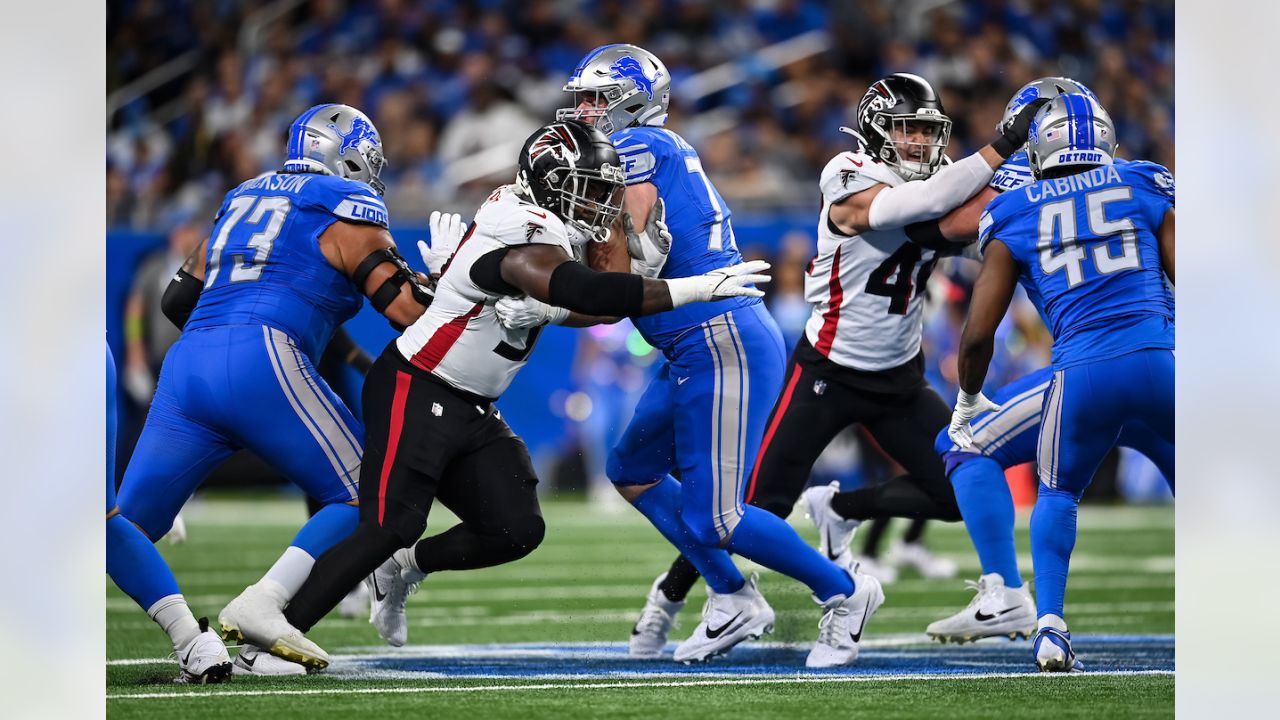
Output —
(389, 589)
(256, 616)
(649, 636)
(867, 565)
(356, 602)
(253, 660)
(916, 555)
(843, 621)
(995, 611)
(727, 620)
(1053, 651)
(835, 532)
(204, 659)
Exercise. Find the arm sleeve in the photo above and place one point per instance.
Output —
(582, 290)
(921, 200)
(636, 153)
(180, 298)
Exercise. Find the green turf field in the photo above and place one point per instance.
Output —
(544, 636)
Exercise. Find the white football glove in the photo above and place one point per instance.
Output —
(649, 247)
(719, 284)
(526, 312)
(446, 232)
(968, 407)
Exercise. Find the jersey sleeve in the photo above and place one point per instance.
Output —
(527, 224)
(1013, 174)
(852, 172)
(994, 222)
(1153, 189)
(640, 153)
(351, 201)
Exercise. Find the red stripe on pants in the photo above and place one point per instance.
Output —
(781, 410)
(831, 318)
(403, 380)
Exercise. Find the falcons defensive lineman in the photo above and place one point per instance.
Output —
(432, 429)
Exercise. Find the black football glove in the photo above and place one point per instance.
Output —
(1013, 134)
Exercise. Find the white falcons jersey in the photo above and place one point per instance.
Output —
(865, 289)
(459, 338)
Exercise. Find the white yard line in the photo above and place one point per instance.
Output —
(623, 685)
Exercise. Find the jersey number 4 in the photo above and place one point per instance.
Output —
(248, 258)
(893, 278)
(1058, 228)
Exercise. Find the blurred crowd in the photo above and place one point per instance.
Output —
(446, 81)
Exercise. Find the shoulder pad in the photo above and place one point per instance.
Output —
(642, 150)
(1152, 176)
(517, 222)
(1013, 174)
(852, 172)
(350, 200)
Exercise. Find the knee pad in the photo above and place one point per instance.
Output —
(615, 468)
(405, 522)
(526, 535)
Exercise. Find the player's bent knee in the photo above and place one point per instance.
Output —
(775, 504)
(710, 531)
(526, 534)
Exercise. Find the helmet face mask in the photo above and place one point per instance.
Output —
(618, 86)
(336, 140)
(892, 120)
(571, 169)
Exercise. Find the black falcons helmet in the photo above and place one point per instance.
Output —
(889, 105)
(571, 169)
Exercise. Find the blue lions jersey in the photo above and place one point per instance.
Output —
(264, 265)
(1089, 258)
(1013, 174)
(701, 234)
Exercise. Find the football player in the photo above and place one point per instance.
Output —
(1003, 439)
(292, 255)
(433, 430)
(137, 568)
(860, 361)
(1091, 241)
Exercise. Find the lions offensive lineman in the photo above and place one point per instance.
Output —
(434, 432)
(292, 255)
(1092, 242)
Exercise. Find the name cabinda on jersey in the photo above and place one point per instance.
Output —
(1098, 281)
(459, 338)
(702, 236)
(865, 289)
(264, 265)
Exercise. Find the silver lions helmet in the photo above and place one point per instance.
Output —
(336, 140)
(1071, 130)
(618, 86)
(1045, 87)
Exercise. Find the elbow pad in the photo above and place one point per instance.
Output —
(921, 200)
(575, 287)
(389, 290)
(180, 298)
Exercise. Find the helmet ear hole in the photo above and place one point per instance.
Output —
(351, 166)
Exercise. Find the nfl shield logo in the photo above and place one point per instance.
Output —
(436, 409)
(819, 387)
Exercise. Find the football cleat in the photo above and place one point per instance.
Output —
(253, 660)
(835, 532)
(204, 658)
(843, 621)
(916, 555)
(256, 617)
(649, 636)
(867, 565)
(389, 589)
(994, 611)
(1053, 651)
(727, 620)
(356, 602)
